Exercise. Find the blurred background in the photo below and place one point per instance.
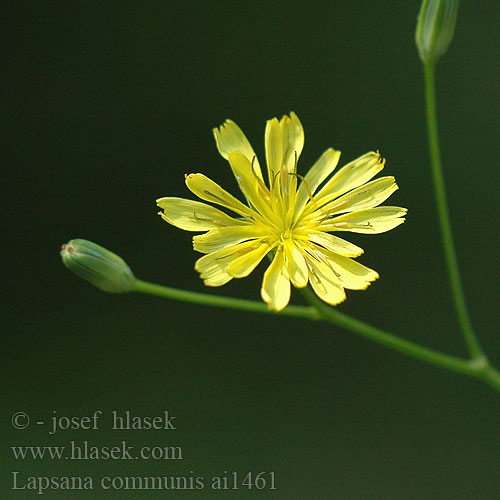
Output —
(107, 106)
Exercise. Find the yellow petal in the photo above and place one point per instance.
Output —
(296, 266)
(292, 133)
(219, 238)
(208, 190)
(230, 138)
(275, 289)
(374, 220)
(366, 196)
(325, 283)
(193, 215)
(323, 167)
(335, 244)
(274, 149)
(213, 266)
(350, 273)
(244, 265)
(212, 271)
(351, 176)
(254, 189)
(216, 277)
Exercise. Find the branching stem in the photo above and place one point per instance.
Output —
(471, 340)
(318, 310)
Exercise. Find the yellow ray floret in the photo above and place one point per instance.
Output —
(289, 219)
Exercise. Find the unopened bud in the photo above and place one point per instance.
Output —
(435, 26)
(99, 266)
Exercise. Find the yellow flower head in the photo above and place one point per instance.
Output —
(290, 218)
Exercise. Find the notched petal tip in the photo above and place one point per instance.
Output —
(342, 299)
(225, 124)
(378, 156)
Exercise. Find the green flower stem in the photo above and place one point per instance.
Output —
(476, 368)
(318, 310)
(444, 220)
(305, 312)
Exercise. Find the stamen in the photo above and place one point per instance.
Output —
(346, 224)
(274, 179)
(311, 254)
(284, 180)
(260, 182)
(328, 264)
(208, 193)
(325, 261)
(198, 218)
(316, 278)
(308, 189)
(216, 222)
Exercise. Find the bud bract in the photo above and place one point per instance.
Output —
(435, 26)
(99, 266)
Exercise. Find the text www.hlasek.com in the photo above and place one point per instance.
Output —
(85, 451)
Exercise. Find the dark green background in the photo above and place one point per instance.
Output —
(107, 107)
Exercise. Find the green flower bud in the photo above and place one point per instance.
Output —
(435, 26)
(99, 266)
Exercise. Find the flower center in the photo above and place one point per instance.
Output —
(285, 235)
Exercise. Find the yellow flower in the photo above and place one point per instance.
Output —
(291, 224)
